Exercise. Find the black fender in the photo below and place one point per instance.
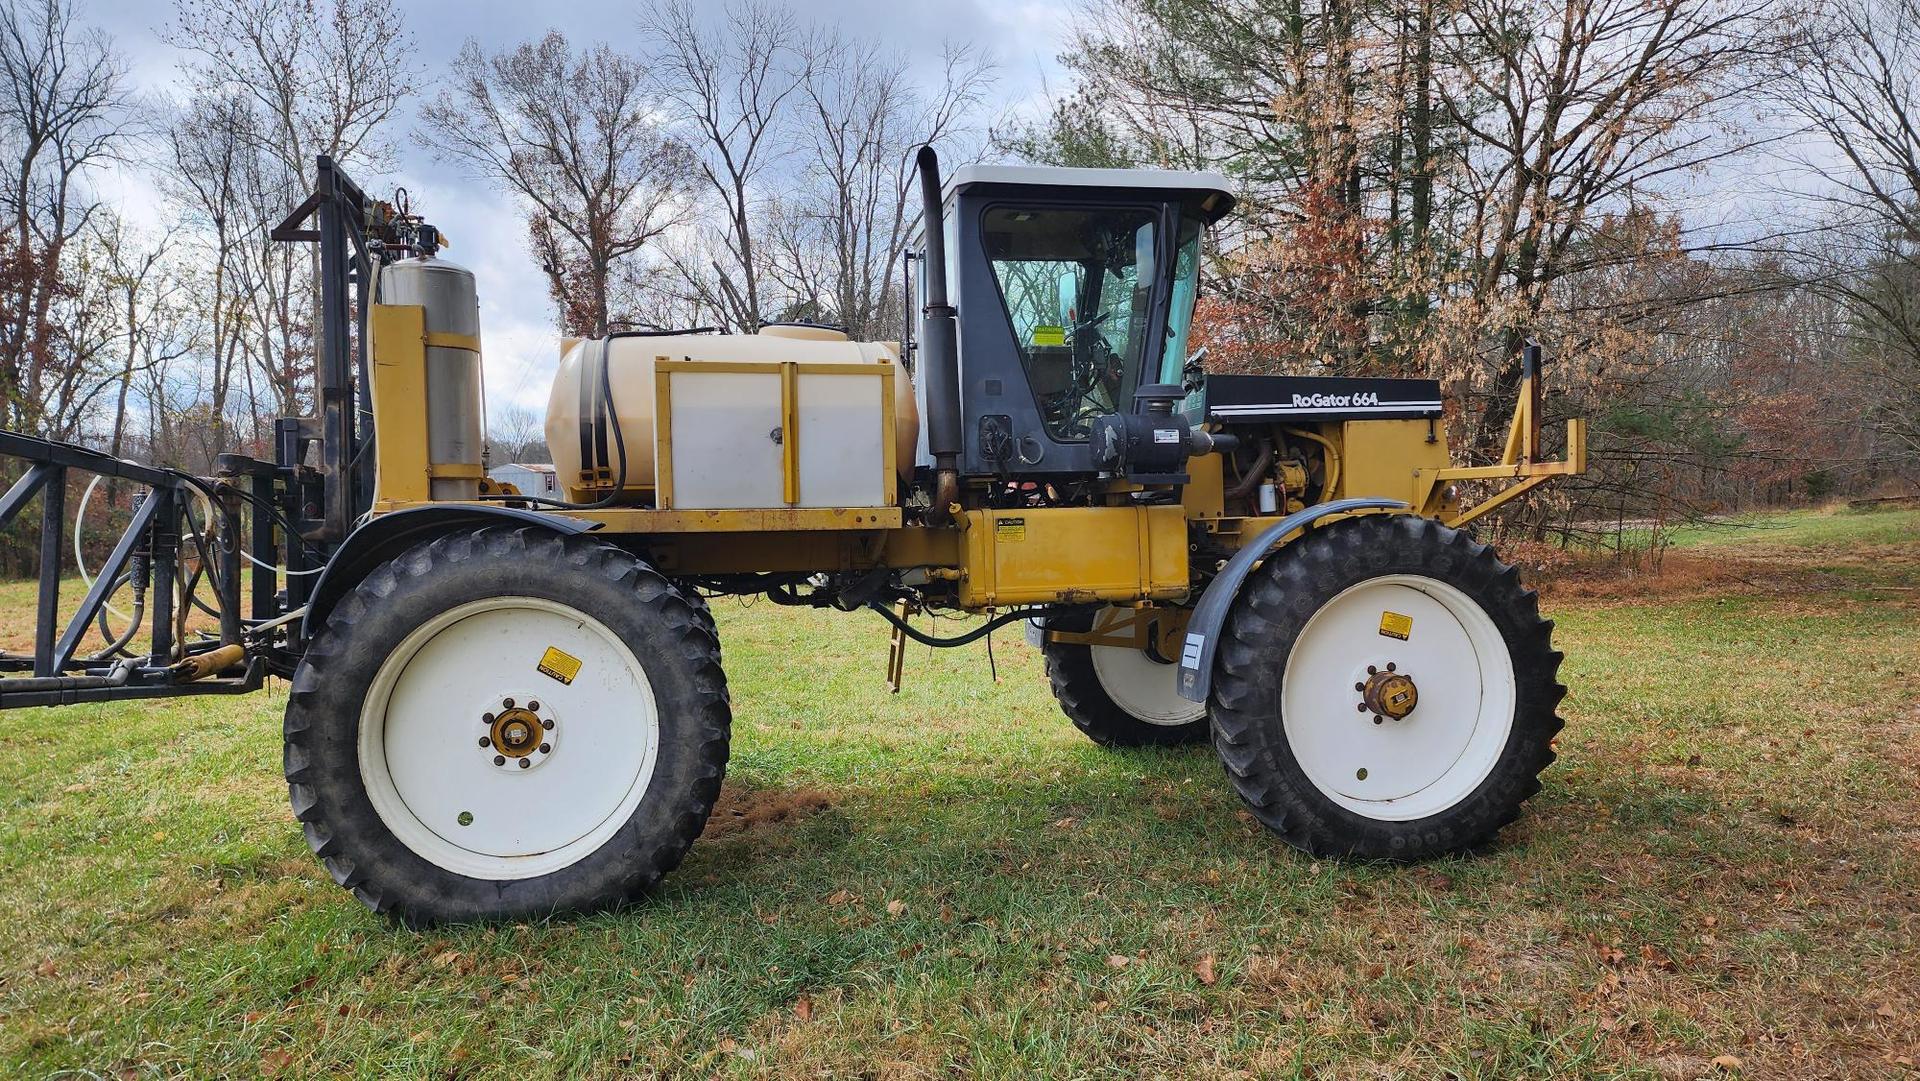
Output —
(387, 535)
(1203, 628)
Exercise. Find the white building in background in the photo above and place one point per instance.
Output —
(529, 478)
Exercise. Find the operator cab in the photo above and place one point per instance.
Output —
(1074, 288)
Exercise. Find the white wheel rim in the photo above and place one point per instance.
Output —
(440, 791)
(1147, 689)
(1399, 770)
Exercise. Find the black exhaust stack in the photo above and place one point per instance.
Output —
(939, 346)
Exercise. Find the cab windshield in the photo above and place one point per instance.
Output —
(1078, 289)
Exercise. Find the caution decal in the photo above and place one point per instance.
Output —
(558, 664)
(1395, 625)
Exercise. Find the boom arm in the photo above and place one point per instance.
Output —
(1520, 461)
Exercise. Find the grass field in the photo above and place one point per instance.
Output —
(1721, 878)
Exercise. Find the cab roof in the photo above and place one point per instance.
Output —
(1213, 195)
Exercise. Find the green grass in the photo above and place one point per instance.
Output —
(1836, 527)
(1723, 862)
(1827, 527)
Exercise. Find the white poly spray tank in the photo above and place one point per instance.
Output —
(721, 424)
(456, 397)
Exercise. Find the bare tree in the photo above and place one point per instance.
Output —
(321, 76)
(153, 324)
(277, 83)
(578, 138)
(213, 164)
(1856, 84)
(841, 234)
(516, 434)
(1570, 111)
(729, 83)
(64, 109)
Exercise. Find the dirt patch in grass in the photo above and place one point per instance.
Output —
(742, 810)
(1568, 576)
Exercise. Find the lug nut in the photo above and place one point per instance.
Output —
(533, 706)
(486, 718)
(1361, 706)
(525, 762)
(1371, 670)
(499, 759)
(547, 724)
(546, 748)
(1360, 686)
(507, 702)
(485, 742)
(1390, 666)
(1377, 719)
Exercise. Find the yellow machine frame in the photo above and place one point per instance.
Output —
(1127, 553)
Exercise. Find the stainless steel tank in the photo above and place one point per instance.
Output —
(456, 396)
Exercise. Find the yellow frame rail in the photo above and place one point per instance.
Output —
(1520, 460)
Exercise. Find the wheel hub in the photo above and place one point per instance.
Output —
(1388, 693)
(517, 734)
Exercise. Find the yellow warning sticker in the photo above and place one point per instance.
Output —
(560, 665)
(1395, 625)
(1049, 335)
(1010, 529)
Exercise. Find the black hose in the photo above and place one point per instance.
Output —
(973, 635)
(607, 412)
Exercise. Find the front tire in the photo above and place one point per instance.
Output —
(1119, 697)
(506, 724)
(1305, 671)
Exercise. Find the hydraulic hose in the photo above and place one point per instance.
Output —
(604, 411)
(973, 635)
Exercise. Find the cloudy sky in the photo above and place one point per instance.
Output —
(517, 318)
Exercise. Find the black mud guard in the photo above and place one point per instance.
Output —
(1210, 615)
(387, 535)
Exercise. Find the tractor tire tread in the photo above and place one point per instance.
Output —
(1260, 631)
(321, 758)
(1076, 686)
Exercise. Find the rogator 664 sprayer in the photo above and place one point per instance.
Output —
(504, 705)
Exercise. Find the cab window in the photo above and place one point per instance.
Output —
(1077, 285)
(1186, 284)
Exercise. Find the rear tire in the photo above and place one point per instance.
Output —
(395, 715)
(1120, 697)
(1297, 736)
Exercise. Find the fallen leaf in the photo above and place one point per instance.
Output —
(274, 1061)
(1118, 960)
(1066, 823)
(1727, 1062)
(446, 958)
(1886, 1010)
(46, 968)
(896, 907)
(1203, 971)
(803, 1008)
(839, 897)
